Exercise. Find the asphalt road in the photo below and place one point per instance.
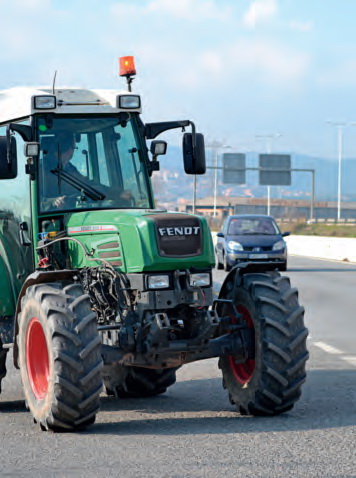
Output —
(193, 431)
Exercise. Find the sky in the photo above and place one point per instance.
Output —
(247, 72)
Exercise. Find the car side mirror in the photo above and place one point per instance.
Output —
(285, 234)
(8, 157)
(219, 234)
(194, 153)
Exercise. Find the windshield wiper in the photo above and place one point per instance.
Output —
(91, 192)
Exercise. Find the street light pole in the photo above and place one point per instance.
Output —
(215, 179)
(340, 126)
(215, 145)
(339, 142)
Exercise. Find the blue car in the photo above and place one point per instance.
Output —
(250, 238)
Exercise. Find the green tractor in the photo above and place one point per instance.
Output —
(102, 292)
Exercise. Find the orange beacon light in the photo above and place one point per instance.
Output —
(127, 66)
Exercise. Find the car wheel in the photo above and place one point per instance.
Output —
(227, 267)
(219, 265)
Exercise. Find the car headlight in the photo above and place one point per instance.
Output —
(158, 282)
(235, 246)
(199, 280)
(278, 246)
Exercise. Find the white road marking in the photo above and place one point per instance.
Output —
(350, 359)
(328, 348)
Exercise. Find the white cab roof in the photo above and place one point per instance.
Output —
(17, 102)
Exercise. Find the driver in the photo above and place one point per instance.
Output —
(66, 151)
(58, 158)
(265, 227)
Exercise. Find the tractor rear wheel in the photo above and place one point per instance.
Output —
(60, 356)
(126, 382)
(270, 382)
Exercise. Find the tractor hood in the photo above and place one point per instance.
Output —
(139, 240)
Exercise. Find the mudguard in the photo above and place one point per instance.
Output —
(246, 268)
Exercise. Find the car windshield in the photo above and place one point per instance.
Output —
(90, 163)
(253, 226)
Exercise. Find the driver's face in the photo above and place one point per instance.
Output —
(67, 155)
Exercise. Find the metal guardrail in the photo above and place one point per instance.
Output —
(350, 221)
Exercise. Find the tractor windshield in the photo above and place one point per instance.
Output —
(90, 163)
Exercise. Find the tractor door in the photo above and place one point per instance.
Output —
(16, 224)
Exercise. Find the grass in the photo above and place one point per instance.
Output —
(302, 228)
(329, 230)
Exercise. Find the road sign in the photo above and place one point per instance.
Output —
(234, 168)
(275, 170)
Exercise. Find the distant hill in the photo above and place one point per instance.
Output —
(172, 182)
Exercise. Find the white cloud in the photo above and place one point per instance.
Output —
(212, 62)
(19, 5)
(260, 11)
(229, 60)
(190, 9)
(258, 62)
(269, 62)
(341, 74)
(125, 11)
(299, 26)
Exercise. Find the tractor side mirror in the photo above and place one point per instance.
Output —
(194, 154)
(8, 157)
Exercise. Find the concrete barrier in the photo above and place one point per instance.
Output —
(339, 249)
(335, 248)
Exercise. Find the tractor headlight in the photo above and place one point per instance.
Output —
(128, 102)
(45, 102)
(235, 246)
(278, 246)
(158, 282)
(31, 149)
(201, 279)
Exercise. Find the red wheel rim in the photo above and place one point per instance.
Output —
(37, 358)
(243, 371)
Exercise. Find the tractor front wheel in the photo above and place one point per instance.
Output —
(270, 382)
(60, 356)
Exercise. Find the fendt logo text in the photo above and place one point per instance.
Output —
(179, 231)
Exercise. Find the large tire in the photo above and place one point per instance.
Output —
(60, 356)
(3, 354)
(270, 383)
(129, 382)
